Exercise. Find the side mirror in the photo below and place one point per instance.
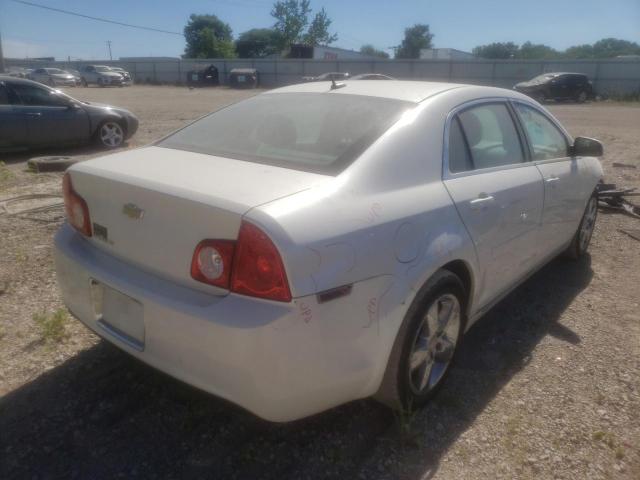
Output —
(586, 147)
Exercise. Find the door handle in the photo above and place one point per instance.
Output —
(34, 114)
(482, 199)
(551, 179)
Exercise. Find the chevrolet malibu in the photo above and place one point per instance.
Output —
(323, 242)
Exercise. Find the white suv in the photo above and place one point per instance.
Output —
(100, 75)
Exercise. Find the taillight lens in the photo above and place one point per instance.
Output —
(251, 266)
(258, 270)
(212, 262)
(75, 207)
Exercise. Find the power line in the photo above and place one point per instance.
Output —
(98, 19)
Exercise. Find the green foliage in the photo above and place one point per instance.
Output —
(208, 37)
(499, 50)
(292, 16)
(415, 39)
(318, 32)
(372, 51)
(605, 48)
(52, 326)
(258, 42)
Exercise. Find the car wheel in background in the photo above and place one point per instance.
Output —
(582, 97)
(83, 81)
(100, 82)
(540, 97)
(51, 83)
(426, 343)
(110, 134)
(582, 237)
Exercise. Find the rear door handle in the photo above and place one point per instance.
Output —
(483, 199)
(34, 114)
(551, 179)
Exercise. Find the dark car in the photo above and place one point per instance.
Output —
(371, 76)
(34, 115)
(557, 86)
(205, 77)
(244, 78)
(326, 77)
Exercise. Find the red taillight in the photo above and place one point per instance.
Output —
(75, 208)
(258, 270)
(212, 262)
(251, 266)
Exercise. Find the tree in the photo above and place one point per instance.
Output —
(258, 42)
(292, 16)
(318, 33)
(415, 39)
(612, 47)
(208, 37)
(579, 51)
(372, 51)
(496, 50)
(530, 50)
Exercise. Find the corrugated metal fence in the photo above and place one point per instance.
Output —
(618, 76)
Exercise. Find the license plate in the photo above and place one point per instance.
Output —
(241, 78)
(118, 314)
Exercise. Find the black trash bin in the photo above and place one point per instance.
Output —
(204, 77)
(244, 78)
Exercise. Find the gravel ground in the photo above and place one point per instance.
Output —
(547, 385)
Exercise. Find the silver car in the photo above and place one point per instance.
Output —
(33, 115)
(53, 77)
(100, 75)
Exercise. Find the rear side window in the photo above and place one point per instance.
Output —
(546, 140)
(459, 157)
(491, 136)
(317, 132)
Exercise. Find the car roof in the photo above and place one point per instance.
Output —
(410, 91)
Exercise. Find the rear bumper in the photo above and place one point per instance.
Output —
(281, 361)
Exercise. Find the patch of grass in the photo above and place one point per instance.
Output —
(6, 175)
(405, 421)
(619, 453)
(52, 326)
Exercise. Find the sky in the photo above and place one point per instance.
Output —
(463, 24)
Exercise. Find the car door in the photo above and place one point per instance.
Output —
(497, 192)
(565, 178)
(51, 118)
(13, 126)
(560, 87)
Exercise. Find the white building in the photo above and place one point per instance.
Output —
(444, 54)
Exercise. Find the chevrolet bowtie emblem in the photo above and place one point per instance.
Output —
(133, 211)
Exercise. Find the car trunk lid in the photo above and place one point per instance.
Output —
(150, 207)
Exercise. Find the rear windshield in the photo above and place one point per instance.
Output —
(316, 132)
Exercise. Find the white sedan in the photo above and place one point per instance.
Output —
(321, 243)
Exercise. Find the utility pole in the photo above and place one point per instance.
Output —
(1, 57)
(109, 45)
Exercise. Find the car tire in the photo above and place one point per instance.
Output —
(100, 82)
(417, 355)
(110, 134)
(83, 81)
(582, 238)
(51, 83)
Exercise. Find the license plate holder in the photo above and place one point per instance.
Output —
(118, 314)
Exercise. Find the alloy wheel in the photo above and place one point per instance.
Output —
(111, 134)
(434, 344)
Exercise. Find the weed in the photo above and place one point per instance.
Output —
(52, 326)
(619, 453)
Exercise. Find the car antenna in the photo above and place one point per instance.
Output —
(335, 85)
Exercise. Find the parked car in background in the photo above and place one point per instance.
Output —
(203, 77)
(100, 75)
(35, 115)
(310, 246)
(19, 72)
(53, 77)
(244, 78)
(557, 86)
(327, 77)
(126, 76)
(76, 75)
(371, 76)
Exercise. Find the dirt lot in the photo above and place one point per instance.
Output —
(546, 386)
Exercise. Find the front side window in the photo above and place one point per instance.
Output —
(36, 96)
(318, 132)
(546, 140)
(491, 136)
